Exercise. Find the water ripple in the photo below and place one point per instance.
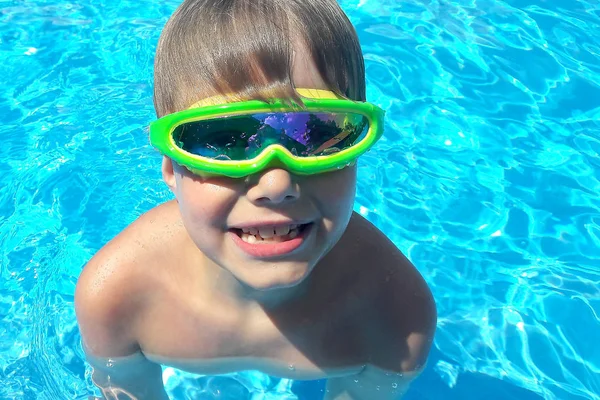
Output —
(493, 152)
(487, 178)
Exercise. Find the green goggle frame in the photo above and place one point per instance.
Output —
(316, 102)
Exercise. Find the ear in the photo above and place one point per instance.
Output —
(168, 173)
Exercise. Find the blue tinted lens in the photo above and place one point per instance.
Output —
(243, 137)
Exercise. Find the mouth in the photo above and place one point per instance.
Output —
(270, 234)
(267, 242)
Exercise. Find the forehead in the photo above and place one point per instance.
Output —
(304, 71)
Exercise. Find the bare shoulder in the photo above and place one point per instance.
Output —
(114, 285)
(404, 317)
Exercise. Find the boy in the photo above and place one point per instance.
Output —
(260, 262)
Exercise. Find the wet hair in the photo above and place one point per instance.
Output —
(245, 48)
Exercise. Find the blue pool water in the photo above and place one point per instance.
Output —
(488, 178)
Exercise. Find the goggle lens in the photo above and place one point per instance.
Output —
(243, 137)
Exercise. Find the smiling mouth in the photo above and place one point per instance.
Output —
(266, 235)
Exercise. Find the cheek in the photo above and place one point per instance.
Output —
(203, 202)
(336, 192)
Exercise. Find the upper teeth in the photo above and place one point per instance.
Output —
(267, 232)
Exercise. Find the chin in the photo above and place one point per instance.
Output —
(276, 277)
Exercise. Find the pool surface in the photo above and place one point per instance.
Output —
(488, 178)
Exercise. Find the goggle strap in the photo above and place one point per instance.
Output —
(304, 92)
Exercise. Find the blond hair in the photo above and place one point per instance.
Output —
(245, 47)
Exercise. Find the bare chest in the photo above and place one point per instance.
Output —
(303, 346)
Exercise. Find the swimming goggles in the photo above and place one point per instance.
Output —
(237, 139)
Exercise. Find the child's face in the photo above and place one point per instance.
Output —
(214, 211)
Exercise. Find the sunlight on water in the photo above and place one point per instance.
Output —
(493, 181)
(488, 178)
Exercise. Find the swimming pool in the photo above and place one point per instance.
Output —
(488, 178)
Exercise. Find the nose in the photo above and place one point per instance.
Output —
(273, 186)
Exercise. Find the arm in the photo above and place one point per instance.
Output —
(391, 382)
(107, 306)
(399, 324)
(131, 378)
(371, 384)
(404, 361)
